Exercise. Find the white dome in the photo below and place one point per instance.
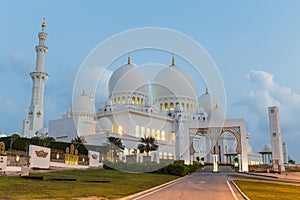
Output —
(207, 102)
(266, 148)
(83, 105)
(104, 125)
(217, 114)
(2, 134)
(175, 82)
(200, 111)
(128, 78)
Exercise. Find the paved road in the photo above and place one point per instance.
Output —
(196, 186)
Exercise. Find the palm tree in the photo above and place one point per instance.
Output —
(149, 144)
(13, 138)
(115, 145)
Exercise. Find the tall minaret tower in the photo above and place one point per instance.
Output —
(39, 77)
(277, 153)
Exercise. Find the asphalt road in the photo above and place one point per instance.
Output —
(196, 186)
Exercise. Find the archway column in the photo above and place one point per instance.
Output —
(240, 162)
(215, 163)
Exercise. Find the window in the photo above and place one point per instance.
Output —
(163, 136)
(166, 106)
(147, 132)
(160, 107)
(120, 130)
(133, 100)
(272, 110)
(142, 131)
(119, 100)
(158, 134)
(123, 100)
(172, 106)
(137, 131)
(138, 100)
(173, 135)
(153, 133)
(274, 134)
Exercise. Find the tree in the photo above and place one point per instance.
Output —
(148, 144)
(115, 146)
(78, 140)
(13, 138)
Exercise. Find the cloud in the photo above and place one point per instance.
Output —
(269, 93)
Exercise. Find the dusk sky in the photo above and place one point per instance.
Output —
(255, 45)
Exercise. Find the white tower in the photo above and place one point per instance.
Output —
(277, 153)
(39, 77)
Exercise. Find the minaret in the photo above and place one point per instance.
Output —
(277, 153)
(39, 77)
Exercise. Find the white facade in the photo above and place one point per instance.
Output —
(35, 120)
(175, 117)
(275, 133)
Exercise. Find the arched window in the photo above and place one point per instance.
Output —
(173, 135)
(166, 106)
(133, 100)
(158, 134)
(153, 133)
(137, 131)
(115, 101)
(187, 107)
(147, 132)
(138, 100)
(163, 136)
(119, 100)
(177, 103)
(120, 130)
(142, 131)
(160, 107)
(171, 106)
(123, 100)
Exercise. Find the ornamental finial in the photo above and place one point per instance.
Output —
(128, 59)
(206, 90)
(44, 24)
(173, 62)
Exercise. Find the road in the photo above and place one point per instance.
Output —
(196, 186)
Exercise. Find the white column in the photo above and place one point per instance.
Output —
(215, 163)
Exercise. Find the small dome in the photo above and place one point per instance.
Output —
(128, 78)
(104, 125)
(266, 148)
(207, 102)
(217, 114)
(171, 82)
(83, 105)
(3, 134)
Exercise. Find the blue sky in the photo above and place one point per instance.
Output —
(255, 45)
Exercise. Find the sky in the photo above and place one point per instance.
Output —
(255, 45)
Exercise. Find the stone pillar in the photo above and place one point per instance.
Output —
(240, 162)
(215, 163)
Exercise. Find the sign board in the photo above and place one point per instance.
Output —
(39, 157)
(94, 158)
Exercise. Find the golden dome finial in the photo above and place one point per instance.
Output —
(206, 90)
(128, 59)
(173, 61)
(44, 24)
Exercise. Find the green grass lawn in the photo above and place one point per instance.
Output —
(260, 190)
(121, 184)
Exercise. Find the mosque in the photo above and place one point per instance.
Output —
(187, 126)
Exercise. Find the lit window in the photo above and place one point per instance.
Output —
(137, 131)
(173, 135)
(160, 107)
(118, 100)
(172, 106)
(147, 132)
(138, 100)
(187, 107)
(166, 106)
(153, 133)
(163, 136)
(120, 130)
(123, 100)
(133, 100)
(158, 134)
(142, 131)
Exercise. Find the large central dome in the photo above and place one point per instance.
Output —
(128, 82)
(173, 81)
(173, 86)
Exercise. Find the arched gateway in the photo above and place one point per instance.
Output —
(214, 132)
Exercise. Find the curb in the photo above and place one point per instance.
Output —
(240, 191)
(152, 189)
